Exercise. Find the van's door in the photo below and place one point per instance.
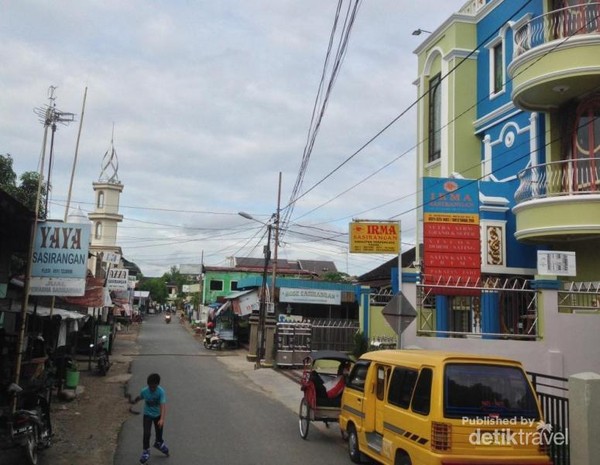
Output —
(381, 383)
(353, 400)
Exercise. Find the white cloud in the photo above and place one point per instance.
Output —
(210, 100)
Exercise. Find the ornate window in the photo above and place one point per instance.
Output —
(100, 203)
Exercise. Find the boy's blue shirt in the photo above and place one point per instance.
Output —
(153, 401)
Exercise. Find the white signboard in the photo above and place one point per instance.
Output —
(59, 261)
(73, 287)
(553, 262)
(117, 279)
(61, 250)
(248, 303)
(132, 282)
(111, 257)
(310, 296)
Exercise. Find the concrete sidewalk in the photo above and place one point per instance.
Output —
(279, 384)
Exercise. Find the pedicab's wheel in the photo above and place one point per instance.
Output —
(304, 418)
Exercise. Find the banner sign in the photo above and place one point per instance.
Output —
(374, 237)
(111, 257)
(451, 232)
(310, 296)
(117, 279)
(61, 250)
(59, 262)
(56, 286)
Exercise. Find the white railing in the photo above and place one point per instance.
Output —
(558, 25)
(472, 7)
(567, 177)
(580, 297)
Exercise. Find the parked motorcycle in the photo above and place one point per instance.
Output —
(29, 425)
(212, 340)
(101, 354)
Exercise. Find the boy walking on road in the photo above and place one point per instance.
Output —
(155, 411)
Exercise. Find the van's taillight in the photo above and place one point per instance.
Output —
(441, 436)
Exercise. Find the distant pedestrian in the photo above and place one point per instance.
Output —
(155, 411)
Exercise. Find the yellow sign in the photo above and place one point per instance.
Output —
(374, 237)
(455, 218)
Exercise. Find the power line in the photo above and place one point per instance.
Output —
(404, 112)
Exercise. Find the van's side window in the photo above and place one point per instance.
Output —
(421, 402)
(401, 386)
(357, 377)
(382, 376)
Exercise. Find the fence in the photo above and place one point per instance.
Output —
(329, 334)
(552, 392)
(579, 297)
(515, 314)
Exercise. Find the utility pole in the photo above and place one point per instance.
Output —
(49, 116)
(275, 245)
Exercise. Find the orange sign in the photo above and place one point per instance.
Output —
(374, 237)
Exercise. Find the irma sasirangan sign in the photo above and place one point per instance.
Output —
(59, 263)
(375, 237)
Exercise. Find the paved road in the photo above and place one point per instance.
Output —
(221, 411)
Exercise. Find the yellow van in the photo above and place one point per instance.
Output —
(419, 407)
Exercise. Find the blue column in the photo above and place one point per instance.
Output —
(441, 314)
(490, 320)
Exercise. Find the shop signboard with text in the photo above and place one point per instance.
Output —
(379, 237)
(310, 296)
(451, 232)
(59, 261)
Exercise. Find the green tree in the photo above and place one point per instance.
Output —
(157, 288)
(26, 191)
(337, 277)
(8, 178)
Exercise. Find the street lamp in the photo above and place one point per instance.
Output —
(260, 348)
(418, 32)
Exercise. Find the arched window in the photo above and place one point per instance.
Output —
(98, 232)
(100, 199)
(435, 118)
(585, 150)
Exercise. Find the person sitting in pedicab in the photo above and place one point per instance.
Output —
(335, 386)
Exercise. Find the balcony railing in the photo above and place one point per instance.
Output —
(567, 177)
(472, 7)
(557, 25)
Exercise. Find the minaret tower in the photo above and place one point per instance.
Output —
(105, 218)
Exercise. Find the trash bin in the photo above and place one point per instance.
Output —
(72, 378)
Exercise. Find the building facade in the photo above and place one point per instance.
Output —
(508, 164)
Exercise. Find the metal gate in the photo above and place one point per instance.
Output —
(329, 334)
(553, 394)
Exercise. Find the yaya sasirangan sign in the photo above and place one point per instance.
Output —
(59, 260)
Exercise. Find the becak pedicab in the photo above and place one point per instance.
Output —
(323, 381)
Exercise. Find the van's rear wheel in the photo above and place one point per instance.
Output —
(353, 450)
(402, 459)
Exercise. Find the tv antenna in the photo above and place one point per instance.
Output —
(49, 116)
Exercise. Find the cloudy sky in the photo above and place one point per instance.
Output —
(210, 101)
